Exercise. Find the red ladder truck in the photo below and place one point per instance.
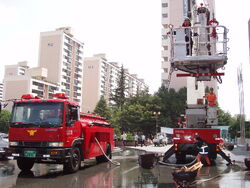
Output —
(199, 51)
(54, 131)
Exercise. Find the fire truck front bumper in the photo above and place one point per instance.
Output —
(38, 153)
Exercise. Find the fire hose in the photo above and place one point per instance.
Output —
(171, 152)
(113, 162)
(178, 165)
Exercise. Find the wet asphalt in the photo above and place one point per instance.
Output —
(128, 174)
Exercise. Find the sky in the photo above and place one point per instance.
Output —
(127, 31)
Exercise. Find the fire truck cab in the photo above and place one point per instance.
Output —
(54, 131)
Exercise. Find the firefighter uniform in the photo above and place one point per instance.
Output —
(203, 152)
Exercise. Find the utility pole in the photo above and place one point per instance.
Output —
(241, 104)
(156, 121)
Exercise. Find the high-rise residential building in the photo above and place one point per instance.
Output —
(249, 37)
(26, 81)
(62, 55)
(173, 13)
(100, 79)
(1, 91)
(18, 69)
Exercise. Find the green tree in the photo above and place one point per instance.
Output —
(172, 105)
(224, 118)
(119, 93)
(116, 120)
(234, 129)
(102, 109)
(137, 114)
(5, 116)
(247, 129)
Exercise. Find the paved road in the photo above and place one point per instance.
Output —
(129, 174)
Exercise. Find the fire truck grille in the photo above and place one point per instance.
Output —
(33, 144)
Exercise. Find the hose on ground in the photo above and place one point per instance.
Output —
(178, 165)
(113, 162)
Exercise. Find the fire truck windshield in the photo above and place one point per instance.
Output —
(37, 114)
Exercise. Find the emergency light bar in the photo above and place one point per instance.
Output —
(27, 96)
(61, 96)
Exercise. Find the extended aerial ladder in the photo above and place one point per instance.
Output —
(206, 51)
(199, 51)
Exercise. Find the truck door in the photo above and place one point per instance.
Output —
(72, 124)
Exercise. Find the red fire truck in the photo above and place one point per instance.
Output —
(199, 50)
(54, 131)
(187, 141)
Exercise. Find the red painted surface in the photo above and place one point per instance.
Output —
(200, 74)
(88, 127)
(190, 135)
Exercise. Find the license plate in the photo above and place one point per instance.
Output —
(30, 154)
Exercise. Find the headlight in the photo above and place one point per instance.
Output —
(1, 149)
(55, 144)
(11, 143)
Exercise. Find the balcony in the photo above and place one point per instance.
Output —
(164, 54)
(165, 65)
(40, 88)
(164, 31)
(164, 22)
(164, 42)
(164, 10)
(68, 41)
(164, 76)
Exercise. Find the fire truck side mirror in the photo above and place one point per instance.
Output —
(3, 106)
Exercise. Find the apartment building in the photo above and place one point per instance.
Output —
(62, 55)
(100, 79)
(15, 70)
(1, 91)
(249, 37)
(26, 81)
(174, 12)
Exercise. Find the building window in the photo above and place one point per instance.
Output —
(39, 93)
(165, 37)
(50, 44)
(37, 84)
(164, 4)
(52, 88)
(165, 15)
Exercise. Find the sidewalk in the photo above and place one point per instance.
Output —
(238, 154)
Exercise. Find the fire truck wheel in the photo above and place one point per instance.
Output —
(74, 161)
(25, 164)
(102, 158)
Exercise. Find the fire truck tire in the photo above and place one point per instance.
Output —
(74, 161)
(102, 158)
(25, 164)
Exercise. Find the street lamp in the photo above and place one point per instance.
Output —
(156, 120)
